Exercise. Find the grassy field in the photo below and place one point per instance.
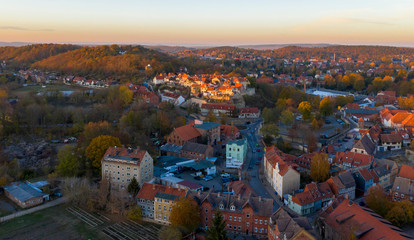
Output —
(51, 223)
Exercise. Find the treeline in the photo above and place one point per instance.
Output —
(292, 52)
(27, 55)
(105, 61)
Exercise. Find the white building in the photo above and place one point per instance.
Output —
(236, 152)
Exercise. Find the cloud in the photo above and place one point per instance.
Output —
(26, 29)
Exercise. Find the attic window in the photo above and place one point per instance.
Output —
(221, 206)
(232, 208)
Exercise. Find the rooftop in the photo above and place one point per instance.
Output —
(23, 192)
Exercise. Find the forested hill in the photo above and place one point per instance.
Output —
(354, 52)
(104, 61)
(29, 54)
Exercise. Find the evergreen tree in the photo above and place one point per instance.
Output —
(133, 187)
(217, 230)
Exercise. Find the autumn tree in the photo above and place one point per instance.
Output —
(68, 163)
(319, 169)
(133, 187)
(401, 213)
(170, 233)
(223, 118)
(305, 108)
(376, 199)
(93, 130)
(185, 214)
(287, 117)
(125, 94)
(326, 106)
(97, 148)
(218, 229)
(211, 117)
(134, 213)
(270, 129)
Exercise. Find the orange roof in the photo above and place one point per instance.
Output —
(356, 159)
(366, 224)
(149, 190)
(242, 188)
(125, 152)
(400, 117)
(187, 132)
(274, 155)
(228, 130)
(406, 172)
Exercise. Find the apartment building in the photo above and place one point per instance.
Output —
(120, 165)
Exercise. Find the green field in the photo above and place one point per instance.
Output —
(51, 223)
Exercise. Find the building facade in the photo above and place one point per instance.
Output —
(236, 152)
(120, 165)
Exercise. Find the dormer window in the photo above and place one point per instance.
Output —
(221, 206)
(232, 208)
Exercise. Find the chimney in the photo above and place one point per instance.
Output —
(388, 167)
(199, 192)
(153, 186)
(238, 196)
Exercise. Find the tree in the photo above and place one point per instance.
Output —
(326, 106)
(319, 167)
(305, 108)
(68, 163)
(185, 214)
(134, 213)
(170, 233)
(315, 124)
(223, 118)
(287, 117)
(401, 213)
(270, 129)
(217, 231)
(211, 117)
(98, 147)
(133, 187)
(376, 199)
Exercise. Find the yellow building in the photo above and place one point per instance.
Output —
(163, 203)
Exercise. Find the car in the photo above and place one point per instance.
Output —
(258, 150)
(197, 178)
(207, 178)
(345, 140)
(225, 175)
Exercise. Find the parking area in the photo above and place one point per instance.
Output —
(215, 182)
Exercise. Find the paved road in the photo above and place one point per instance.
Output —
(34, 209)
(253, 156)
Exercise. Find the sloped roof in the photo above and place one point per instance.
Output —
(390, 138)
(149, 190)
(242, 188)
(187, 132)
(22, 191)
(289, 227)
(195, 147)
(123, 153)
(406, 172)
(368, 224)
(366, 144)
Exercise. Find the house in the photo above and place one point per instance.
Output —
(229, 132)
(406, 172)
(304, 161)
(386, 97)
(163, 203)
(242, 215)
(363, 179)
(402, 189)
(218, 109)
(343, 185)
(389, 142)
(348, 159)
(173, 98)
(389, 165)
(209, 131)
(236, 151)
(159, 79)
(24, 194)
(283, 226)
(196, 151)
(241, 188)
(348, 220)
(120, 165)
(311, 199)
(365, 145)
(382, 176)
(281, 176)
(183, 134)
(252, 112)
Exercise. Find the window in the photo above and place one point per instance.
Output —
(260, 230)
(235, 227)
(265, 222)
(265, 230)
(255, 229)
(239, 227)
(230, 218)
(159, 207)
(221, 206)
(165, 218)
(169, 209)
(247, 215)
(247, 224)
(159, 216)
(206, 210)
(232, 208)
(255, 221)
(206, 219)
(229, 225)
(165, 208)
(128, 168)
(261, 221)
(239, 219)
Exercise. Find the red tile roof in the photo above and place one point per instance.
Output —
(149, 190)
(228, 107)
(249, 110)
(366, 224)
(274, 155)
(406, 172)
(125, 152)
(241, 188)
(187, 132)
(355, 159)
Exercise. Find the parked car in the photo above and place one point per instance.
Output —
(225, 175)
(207, 178)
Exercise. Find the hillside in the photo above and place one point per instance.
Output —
(104, 61)
(29, 54)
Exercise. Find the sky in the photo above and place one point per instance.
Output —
(212, 22)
